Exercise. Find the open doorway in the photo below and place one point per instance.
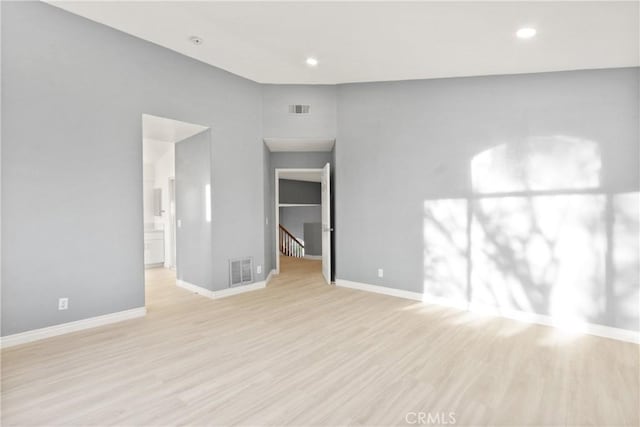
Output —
(160, 137)
(303, 219)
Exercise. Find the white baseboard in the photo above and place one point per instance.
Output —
(270, 276)
(576, 327)
(239, 289)
(222, 292)
(379, 289)
(195, 289)
(522, 316)
(313, 257)
(65, 328)
(157, 265)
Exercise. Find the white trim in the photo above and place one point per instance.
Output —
(155, 265)
(270, 276)
(379, 289)
(325, 213)
(277, 206)
(298, 205)
(65, 328)
(313, 257)
(195, 289)
(222, 292)
(276, 223)
(522, 316)
(573, 327)
(239, 289)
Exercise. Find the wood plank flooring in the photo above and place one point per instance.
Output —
(304, 353)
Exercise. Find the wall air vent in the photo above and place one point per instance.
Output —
(240, 271)
(299, 109)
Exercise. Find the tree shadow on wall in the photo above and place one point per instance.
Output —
(537, 236)
(540, 254)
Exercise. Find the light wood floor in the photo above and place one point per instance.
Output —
(304, 353)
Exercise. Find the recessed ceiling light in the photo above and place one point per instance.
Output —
(312, 62)
(196, 40)
(526, 33)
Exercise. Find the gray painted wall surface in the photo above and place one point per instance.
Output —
(319, 123)
(193, 237)
(313, 238)
(73, 93)
(404, 148)
(294, 217)
(309, 160)
(299, 192)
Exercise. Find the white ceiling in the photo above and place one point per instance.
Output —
(161, 129)
(373, 41)
(160, 133)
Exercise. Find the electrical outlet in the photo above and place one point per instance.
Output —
(179, 223)
(380, 272)
(266, 220)
(259, 269)
(63, 303)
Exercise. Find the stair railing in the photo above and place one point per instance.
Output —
(289, 245)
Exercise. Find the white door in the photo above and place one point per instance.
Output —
(326, 223)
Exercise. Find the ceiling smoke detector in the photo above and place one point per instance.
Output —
(196, 40)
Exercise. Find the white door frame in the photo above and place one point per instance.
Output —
(277, 206)
(325, 206)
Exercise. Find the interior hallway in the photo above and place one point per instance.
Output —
(305, 353)
(301, 268)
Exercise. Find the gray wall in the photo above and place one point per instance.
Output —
(310, 160)
(319, 123)
(405, 148)
(277, 122)
(193, 236)
(313, 238)
(299, 192)
(294, 217)
(73, 93)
